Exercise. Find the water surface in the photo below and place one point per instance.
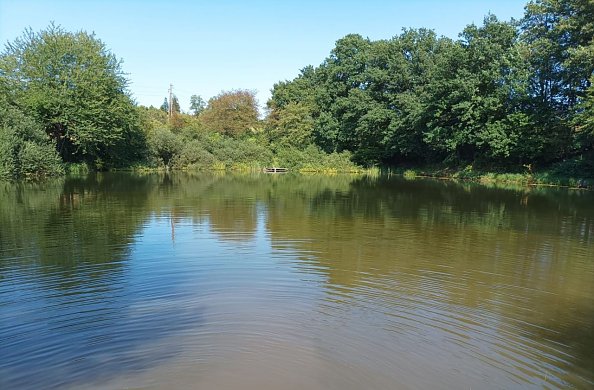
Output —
(281, 281)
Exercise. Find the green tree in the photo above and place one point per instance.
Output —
(560, 34)
(25, 150)
(560, 37)
(197, 104)
(165, 106)
(584, 121)
(75, 88)
(366, 96)
(165, 145)
(175, 108)
(475, 103)
(291, 125)
(232, 113)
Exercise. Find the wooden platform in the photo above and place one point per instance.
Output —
(276, 170)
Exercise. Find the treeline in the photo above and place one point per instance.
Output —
(64, 99)
(226, 133)
(505, 94)
(65, 106)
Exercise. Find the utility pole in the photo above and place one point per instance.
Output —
(170, 113)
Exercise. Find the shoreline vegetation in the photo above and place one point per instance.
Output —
(548, 178)
(506, 102)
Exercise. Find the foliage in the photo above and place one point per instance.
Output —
(313, 159)
(505, 93)
(151, 118)
(504, 96)
(165, 106)
(291, 125)
(194, 155)
(197, 104)
(584, 120)
(75, 88)
(25, 149)
(194, 148)
(175, 107)
(165, 145)
(560, 34)
(231, 113)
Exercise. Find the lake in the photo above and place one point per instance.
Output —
(223, 281)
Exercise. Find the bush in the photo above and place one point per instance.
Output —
(194, 148)
(409, 174)
(164, 146)
(232, 151)
(194, 155)
(580, 167)
(39, 160)
(313, 159)
(25, 149)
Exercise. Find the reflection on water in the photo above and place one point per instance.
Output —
(267, 281)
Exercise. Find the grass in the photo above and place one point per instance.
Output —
(76, 168)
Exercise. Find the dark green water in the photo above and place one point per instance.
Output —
(277, 281)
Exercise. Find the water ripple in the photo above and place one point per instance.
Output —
(279, 282)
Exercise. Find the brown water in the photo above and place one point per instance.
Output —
(294, 282)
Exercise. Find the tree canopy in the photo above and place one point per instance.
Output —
(197, 104)
(504, 93)
(74, 87)
(231, 113)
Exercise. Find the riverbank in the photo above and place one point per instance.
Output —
(576, 173)
(254, 168)
(553, 176)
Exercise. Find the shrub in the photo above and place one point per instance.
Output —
(409, 174)
(313, 159)
(39, 160)
(25, 149)
(165, 145)
(194, 155)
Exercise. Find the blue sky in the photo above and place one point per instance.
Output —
(204, 47)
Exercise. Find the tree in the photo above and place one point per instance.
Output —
(25, 150)
(366, 96)
(165, 145)
(584, 120)
(165, 106)
(197, 104)
(560, 34)
(292, 125)
(504, 93)
(232, 113)
(175, 108)
(560, 37)
(474, 108)
(75, 88)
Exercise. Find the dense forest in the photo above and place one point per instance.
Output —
(506, 95)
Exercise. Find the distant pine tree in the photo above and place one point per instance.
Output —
(165, 105)
(175, 104)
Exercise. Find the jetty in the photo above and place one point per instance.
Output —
(275, 170)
